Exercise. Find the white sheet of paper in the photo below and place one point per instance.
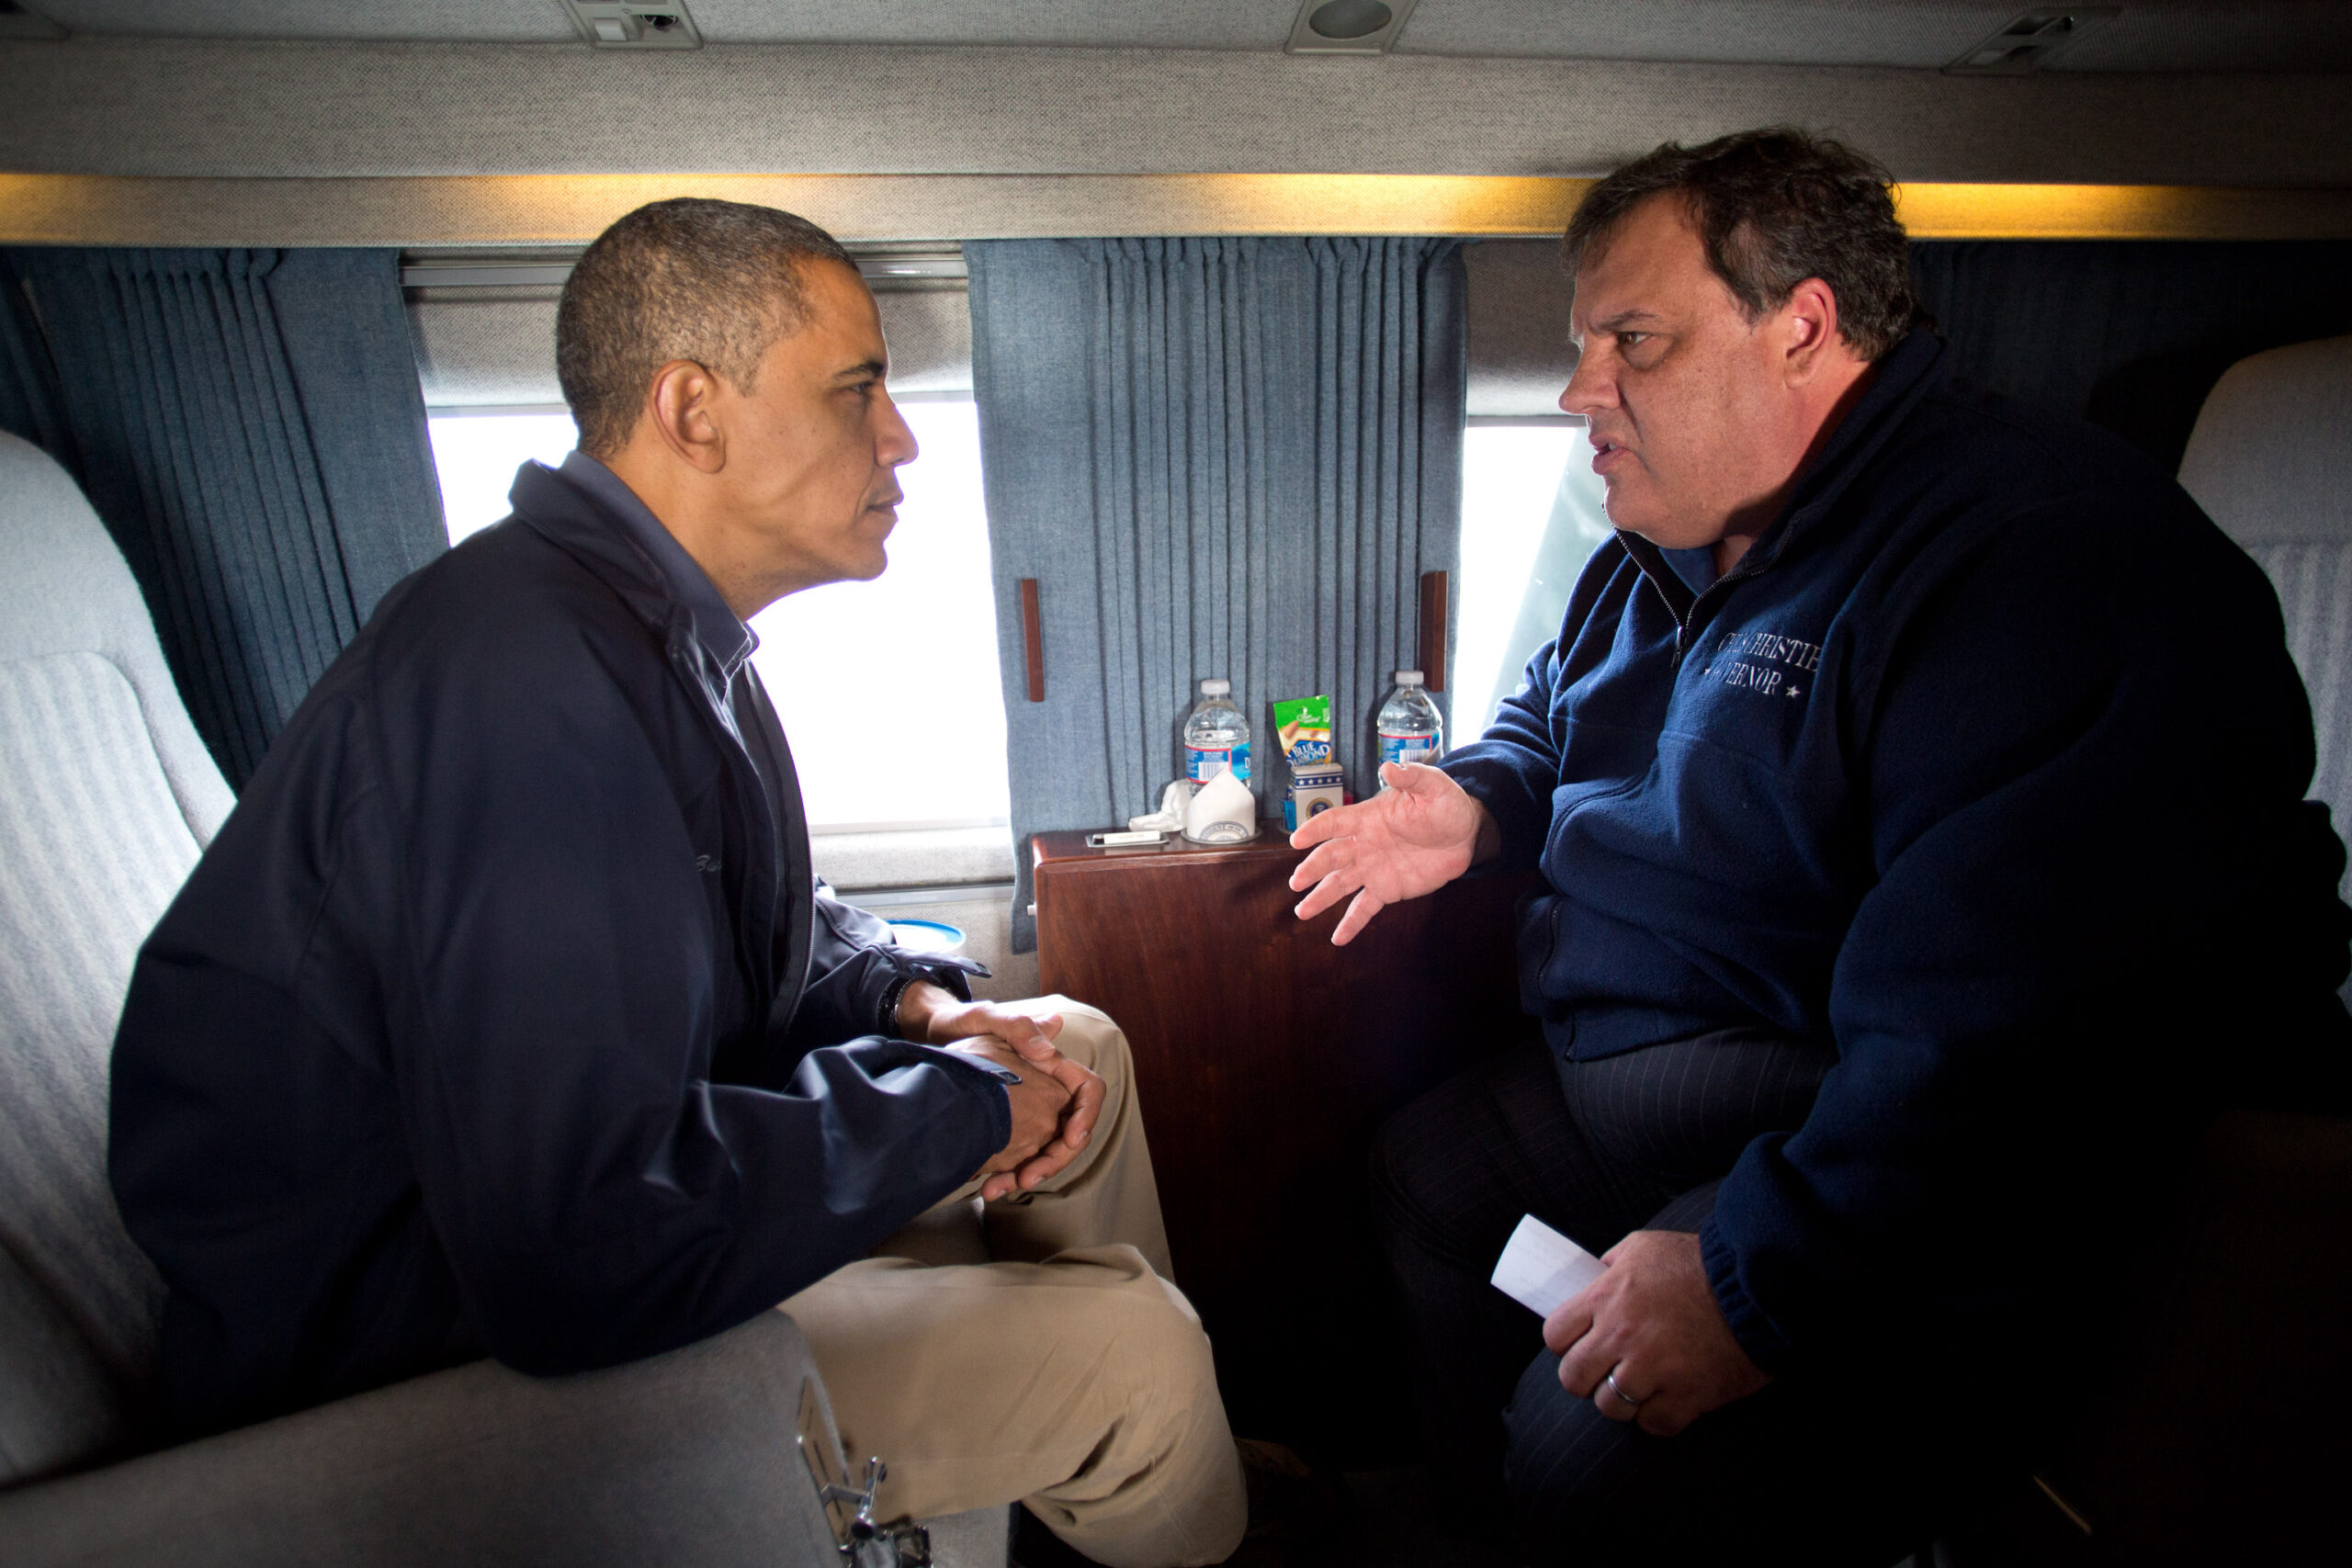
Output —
(1540, 1267)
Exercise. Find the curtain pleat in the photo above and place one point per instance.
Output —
(2129, 334)
(31, 403)
(1218, 458)
(250, 426)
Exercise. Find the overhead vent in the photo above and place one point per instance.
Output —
(1347, 26)
(634, 24)
(2029, 39)
(17, 22)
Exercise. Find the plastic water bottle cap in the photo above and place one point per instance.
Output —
(1216, 688)
(1408, 677)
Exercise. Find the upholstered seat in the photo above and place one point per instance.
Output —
(2222, 1438)
(2270, 460)
(107, 798)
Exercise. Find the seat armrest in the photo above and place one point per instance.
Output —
(685, 1459)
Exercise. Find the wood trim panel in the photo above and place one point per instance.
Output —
(547, 209)
(1264, 1059)
(1033, 639)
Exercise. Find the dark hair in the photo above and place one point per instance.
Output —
(1774, 207)
(716, 282)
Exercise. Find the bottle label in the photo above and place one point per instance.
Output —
(1409, 748)
(1201, 765)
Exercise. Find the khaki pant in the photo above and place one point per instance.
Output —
(1067, 1372)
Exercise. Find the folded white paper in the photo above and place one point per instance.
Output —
(1224, 812)
(1540, 1267)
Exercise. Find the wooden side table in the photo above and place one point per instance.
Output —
(1265, 1059)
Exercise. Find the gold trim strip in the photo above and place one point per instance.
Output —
(467, 209)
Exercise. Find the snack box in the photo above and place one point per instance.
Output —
(1312, 790)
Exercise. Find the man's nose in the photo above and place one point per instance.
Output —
(1587, 389)
(895, 442)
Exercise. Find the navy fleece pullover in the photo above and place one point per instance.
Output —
(1987, 765)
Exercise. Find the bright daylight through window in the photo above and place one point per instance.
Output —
(889, 690)
(1531, 515)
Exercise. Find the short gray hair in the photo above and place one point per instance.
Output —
(714, 282)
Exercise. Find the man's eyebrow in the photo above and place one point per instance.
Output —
(865, 370)
(1624, 319)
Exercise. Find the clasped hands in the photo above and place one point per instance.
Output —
(1054, 1105)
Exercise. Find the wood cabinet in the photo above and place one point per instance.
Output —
(1265, 1059)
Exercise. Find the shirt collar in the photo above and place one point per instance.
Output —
(727, 639)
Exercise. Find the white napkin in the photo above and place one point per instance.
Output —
(1224, 812)
(1540, 1267)
(1169, 817)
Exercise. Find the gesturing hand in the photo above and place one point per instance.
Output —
(1413, 837)
(1652, 1322)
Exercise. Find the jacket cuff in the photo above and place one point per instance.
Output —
(949, 972)
(1754, 1331)
(999, 1099)
(1497, 787)
(881, 1053)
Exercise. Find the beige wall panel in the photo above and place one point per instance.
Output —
(558, 208)
(1520, 356)
(187, 107)
(492, 352)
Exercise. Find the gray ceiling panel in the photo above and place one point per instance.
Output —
(133, 107)
(2151, 35)
(1125, 23)
(484, 21)
(2267, 35)
(140, 107)
(1821, 32)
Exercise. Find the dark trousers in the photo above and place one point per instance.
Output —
(1796, 1472)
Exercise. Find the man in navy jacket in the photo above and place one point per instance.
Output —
(504, 1016)
(1918, 786)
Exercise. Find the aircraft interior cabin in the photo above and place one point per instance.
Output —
(647, 902)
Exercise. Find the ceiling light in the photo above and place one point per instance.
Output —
(2028, 41)
(1347, 26)
(634, 24)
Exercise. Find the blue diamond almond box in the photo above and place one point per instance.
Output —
(1316, 780)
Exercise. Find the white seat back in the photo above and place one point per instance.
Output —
(107, 798)
(2270, 460)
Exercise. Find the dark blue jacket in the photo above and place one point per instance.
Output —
(500, 1017)
(1986, 766)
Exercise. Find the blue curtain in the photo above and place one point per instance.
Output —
(2130, 334)
(249, 424)
(31, 403)
(1217, 458)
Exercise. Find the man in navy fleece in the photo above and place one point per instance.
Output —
(1918, 787)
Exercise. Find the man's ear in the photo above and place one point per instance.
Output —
(679, 407)
(1808, 330)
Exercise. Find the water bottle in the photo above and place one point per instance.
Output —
(1410, 730)
(1216, 737)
